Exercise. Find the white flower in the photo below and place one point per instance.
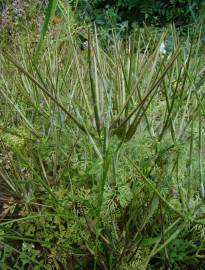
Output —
(162, 48)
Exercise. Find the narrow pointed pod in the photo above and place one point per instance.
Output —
(169, 120)
(153, 89)
(133, 127)
(190, 169)
(93, 83)
(44, 90)
(21, 113)
(201, 181)
(78, 71)
(152, 61)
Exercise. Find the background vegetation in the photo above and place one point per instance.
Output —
(158, 12)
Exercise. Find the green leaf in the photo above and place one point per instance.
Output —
(50, 11)
(153, 208)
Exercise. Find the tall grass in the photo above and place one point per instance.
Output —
(50, 12)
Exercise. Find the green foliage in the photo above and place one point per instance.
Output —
(50, 12)
(21, 16)
(101, 153)
(152, 12)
